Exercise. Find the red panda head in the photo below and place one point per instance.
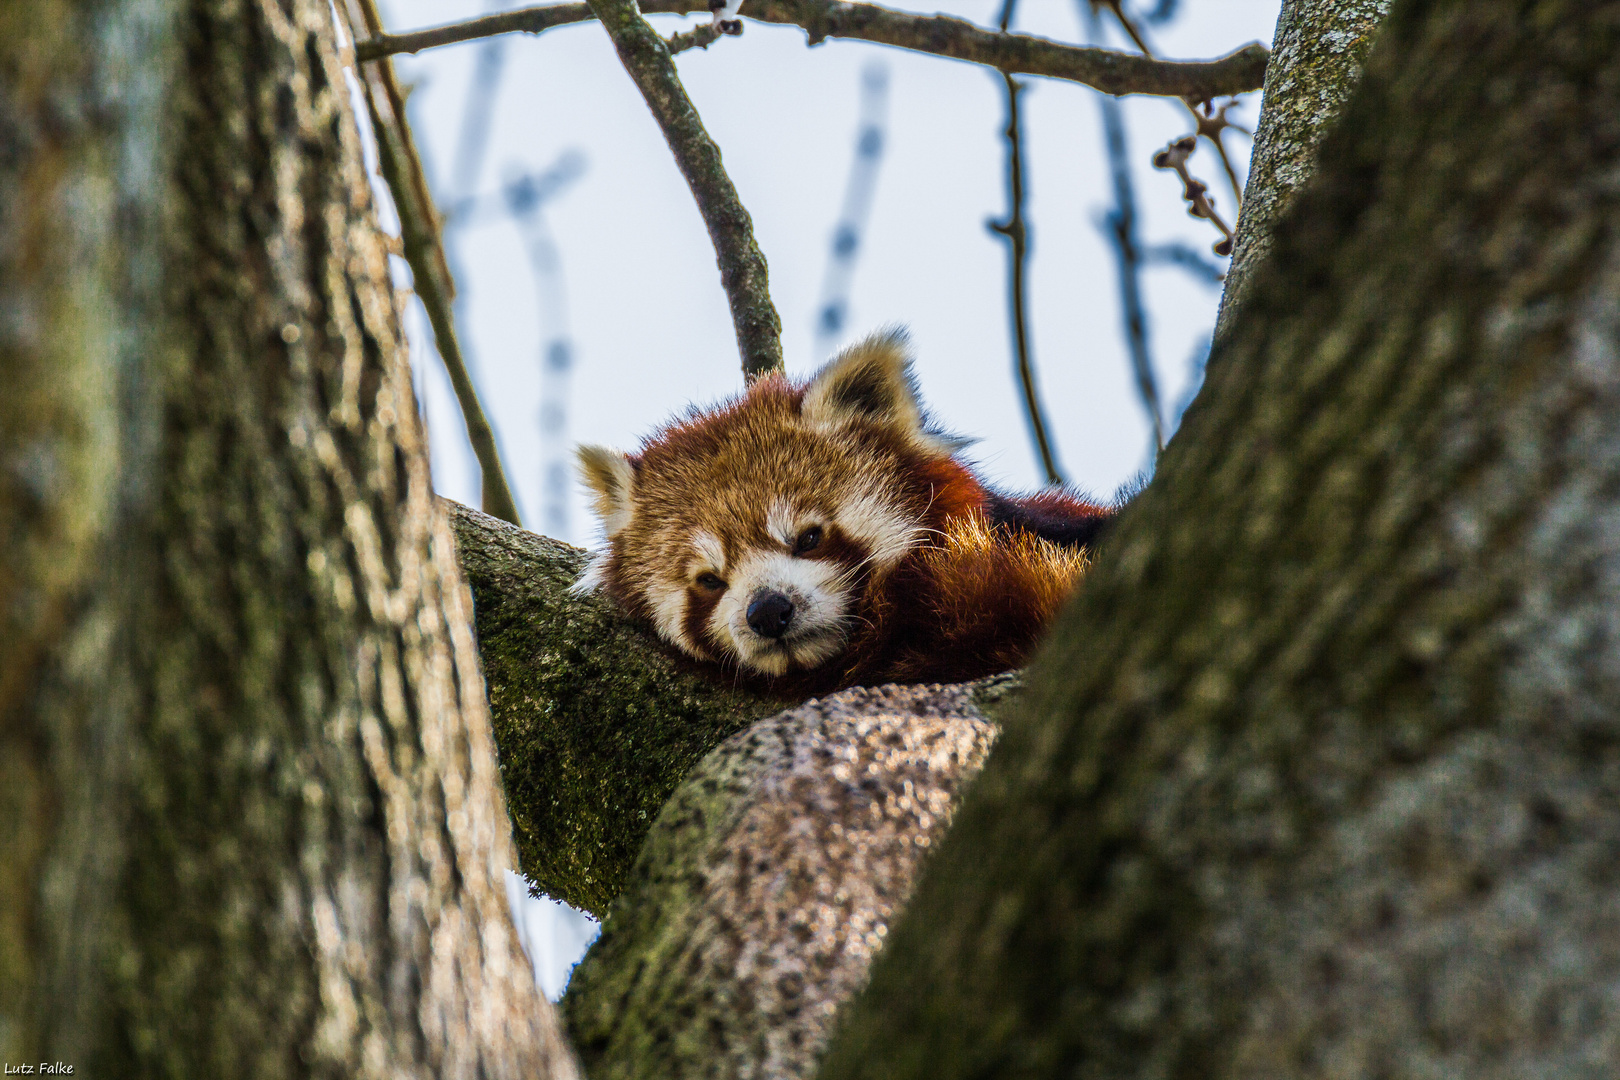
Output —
(755, 533)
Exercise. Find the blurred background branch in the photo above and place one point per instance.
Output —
(401, 167)
(1016, 231)
(833, 311)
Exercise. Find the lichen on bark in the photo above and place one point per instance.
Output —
(1317, 54)
(770, 879)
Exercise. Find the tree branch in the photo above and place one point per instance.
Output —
(1016, 232)
(401, 167)
(939, 35)
(795, 844)
(742, 267)
(594, 721)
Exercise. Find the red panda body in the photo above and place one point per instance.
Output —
(810, 537)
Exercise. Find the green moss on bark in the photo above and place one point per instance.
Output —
(769, 881)
(595, 723)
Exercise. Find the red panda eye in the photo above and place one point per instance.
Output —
(710, 581)
(808, 540)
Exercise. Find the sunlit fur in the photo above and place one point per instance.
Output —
(920, 573)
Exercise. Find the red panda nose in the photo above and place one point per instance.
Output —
(769, 614)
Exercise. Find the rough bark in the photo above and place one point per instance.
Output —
(251, 817)
(770, 880)
(1317, 54)
(595, 722)
(1319, 775)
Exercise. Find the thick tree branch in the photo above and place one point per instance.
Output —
(940, 35)
(420, 238)
(742, 267)
(771, 878)
(250, 818)
(595, 723)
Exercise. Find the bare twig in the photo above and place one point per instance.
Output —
(742, 266)
(1196, 192)
(1120, 227)
(1015, 54)
(1210, 124)
(1162, 13)
(419, 234)
(1125, 23)
(1175, 253)
(472, 139)
(525, 195)
(699, 37)
(1017, 234)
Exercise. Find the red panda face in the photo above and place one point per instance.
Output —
(749, 534)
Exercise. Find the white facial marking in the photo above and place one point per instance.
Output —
(668, 603)
(781, 522)
(710, 551)
(820, 597)
(887, 532)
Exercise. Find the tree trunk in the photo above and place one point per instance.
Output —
(1319, 774)
(1316, 57)
(251, 818)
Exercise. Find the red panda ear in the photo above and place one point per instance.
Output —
(871, 382)
(609, 476)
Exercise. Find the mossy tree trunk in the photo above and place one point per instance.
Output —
(1320, 774)
(250, 821)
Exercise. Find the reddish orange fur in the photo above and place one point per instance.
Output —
(969, 592)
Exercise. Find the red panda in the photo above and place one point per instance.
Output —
(810, 537)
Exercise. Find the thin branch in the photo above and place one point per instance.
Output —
(699, 37)
(477, 112)
(1185, 256)
(1004, 23)
(525, 196)
(742, 267)
(1120, 227)
(430, 272)
(1195, 191)
(1013, 54)
(1209, 123)
(1017, 234)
